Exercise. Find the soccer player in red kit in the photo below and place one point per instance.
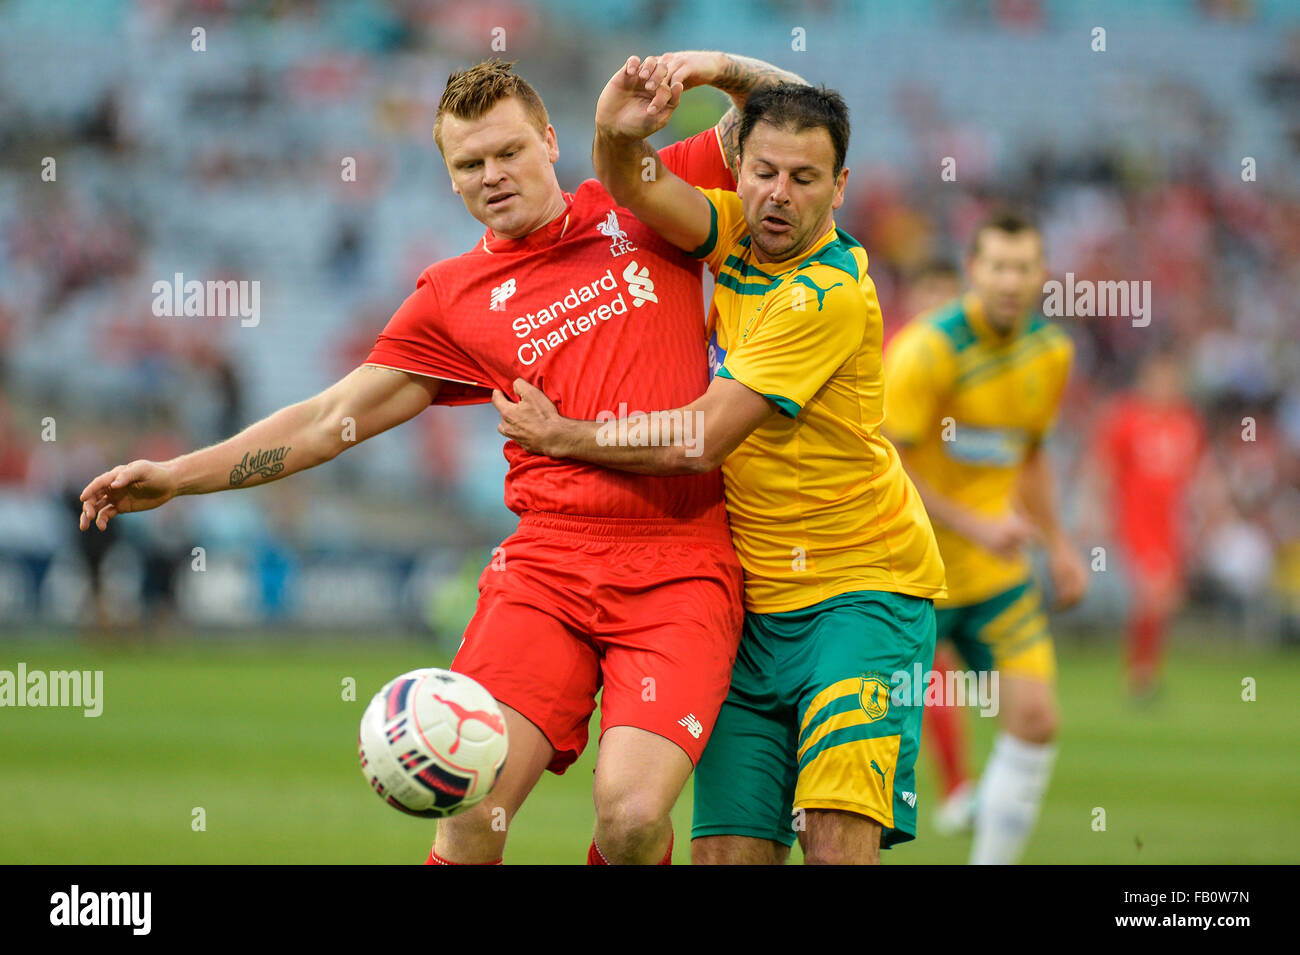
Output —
(612, 579)
(1148, 449)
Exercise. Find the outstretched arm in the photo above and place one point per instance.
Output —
(737, 76)
(362, 404)
(689, 440)
(636, 103)
(630, 109)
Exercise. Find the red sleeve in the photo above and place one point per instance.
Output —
(699, 160)
(416, 340)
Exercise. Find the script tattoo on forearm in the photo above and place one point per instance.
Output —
(742, 76)
(263, 464)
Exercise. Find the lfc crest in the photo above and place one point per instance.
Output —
(618, 240)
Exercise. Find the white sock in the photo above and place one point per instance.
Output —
(1010, 795)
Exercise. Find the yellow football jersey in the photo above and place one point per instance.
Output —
(970, 405)
(818, 499)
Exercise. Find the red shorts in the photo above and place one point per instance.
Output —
(650, 610)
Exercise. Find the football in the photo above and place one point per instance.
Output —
(432, 743)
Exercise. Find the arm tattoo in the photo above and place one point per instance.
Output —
(263, 464)
(729, 136)
(742, 76)
(391, 371)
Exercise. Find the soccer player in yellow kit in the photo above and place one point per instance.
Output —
(840, 561)
(971, 391)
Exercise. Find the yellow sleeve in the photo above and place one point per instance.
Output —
(800, 338)
(727, 229)
(1062, 356)
(920, 369)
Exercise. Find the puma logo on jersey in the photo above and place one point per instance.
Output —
(821, 292)
(497, 303)
(618, 241)
(693, 726)
(639, 284)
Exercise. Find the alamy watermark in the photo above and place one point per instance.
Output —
(213, 299)
(654, 429)
(83, 688)
(129, 909)
(1084, 298)
(918, 687)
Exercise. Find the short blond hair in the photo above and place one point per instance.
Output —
(473, 92)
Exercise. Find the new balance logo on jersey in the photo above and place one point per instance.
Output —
(500, 294)
(618, 241)
(910, 799)
(639, 284)
(693, 726)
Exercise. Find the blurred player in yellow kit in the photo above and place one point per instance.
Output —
(935, 284)
(971, 391)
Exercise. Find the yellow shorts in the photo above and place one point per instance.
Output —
(1008, 633)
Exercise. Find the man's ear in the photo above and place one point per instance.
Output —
(839, 188)
(552, 144)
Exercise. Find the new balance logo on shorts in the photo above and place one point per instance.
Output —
(693, 726)
(497, 303)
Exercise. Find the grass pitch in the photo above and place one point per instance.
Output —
(261, 739)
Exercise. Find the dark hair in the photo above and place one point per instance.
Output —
(473, 92)
(794, 105)
(1003, 219)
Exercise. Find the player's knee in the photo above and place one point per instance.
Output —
(1037, 723)
(828, 853)
(629, 824)
(841, 838)
(737, 850)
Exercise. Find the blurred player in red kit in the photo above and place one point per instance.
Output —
(617, 581)
(1148, 449)
(943, 731)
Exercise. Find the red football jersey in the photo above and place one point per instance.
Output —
(1153, 454)
(597, 311)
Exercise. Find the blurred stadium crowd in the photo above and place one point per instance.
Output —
(228, 162)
